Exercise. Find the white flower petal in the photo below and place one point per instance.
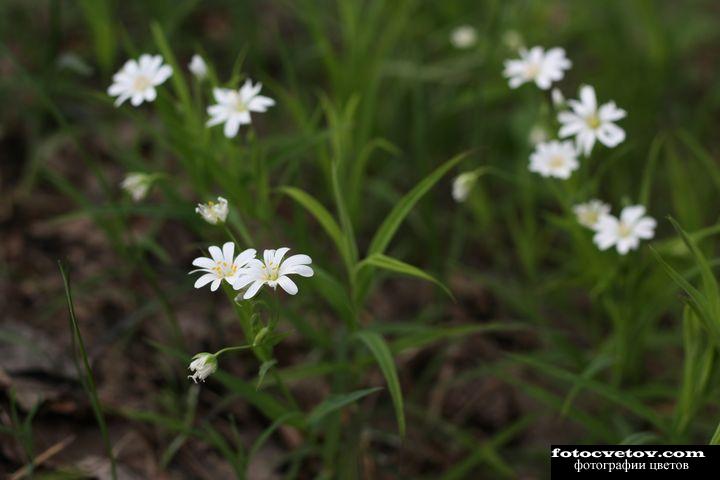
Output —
(287, 285)
(205, 279)
(253, 290)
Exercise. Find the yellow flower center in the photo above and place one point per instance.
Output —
(141, 82)
(593, 121)
(224, 269)
(271, 272)
(590, 218)
(624, 230)
(532, 70)
(240, 106)
(557, 161)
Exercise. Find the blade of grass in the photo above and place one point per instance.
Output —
(392, 222)
(377, 346)
(87, 375)
(398, 266)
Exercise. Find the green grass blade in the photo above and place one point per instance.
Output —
(398, 266)
(322, 215)
(178, 82)
(392, 222)
(377, 346)
(87, 375)
(336, 402)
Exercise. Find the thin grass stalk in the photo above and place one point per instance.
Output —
(87, 380)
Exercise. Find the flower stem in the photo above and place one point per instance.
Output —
(231, 349)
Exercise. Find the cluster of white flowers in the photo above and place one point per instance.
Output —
(624, 233)
(246, 271)
(588, 123)
(137, 80)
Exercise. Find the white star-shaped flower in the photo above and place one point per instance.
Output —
(589, 214)
(213, 212)
(537, 65)
(626, 232)
(588, 123)
(137, 80)
(233, 107)
(273, 271)
(221, 266)
(554, 159)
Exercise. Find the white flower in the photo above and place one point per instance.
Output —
(554, 159)
(273, 271)
(137, 80)
(463, 36)
(558, 99)
(589, 214)
(202, 365)
(589, 123)
(234, 106)
(213, 212)
(625, 233)
(197, 66)
(137, 185)
(462, 185)
(537, 65)
(221, 265)
(537, 135)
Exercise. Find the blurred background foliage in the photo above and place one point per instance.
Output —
(548, 339)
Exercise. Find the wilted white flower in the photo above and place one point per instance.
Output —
(202, 365)
(197, 66)
(137, 185)
(273, 271)
(589, 214)
(463, 36)
(538, 134)
(624, 233)
(213, 212)
(589, 123)
(554, 159)
(558, 99)
(234, 106)
(462, 185)
(537, 65)
(221, 265)
(137, 80)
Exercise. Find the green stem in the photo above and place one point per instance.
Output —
(231, 349)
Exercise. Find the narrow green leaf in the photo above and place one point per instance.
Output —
(710, 285)
(321, 214)
(377, 346)
(392, 222)
(86, 374)
(619, 397)
(398, 266)
(336, 402)
(178, 82)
